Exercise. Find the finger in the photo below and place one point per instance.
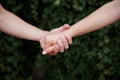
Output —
(64, 41)
(69, 39)
(61, 28)
(48, 50)
(42, 44)
(56, 49)
(61, 46)
(47, 45)
(64, 27)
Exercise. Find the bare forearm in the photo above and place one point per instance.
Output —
(13, 25)
(102, 17)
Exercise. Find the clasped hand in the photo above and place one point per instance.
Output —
(57, 40)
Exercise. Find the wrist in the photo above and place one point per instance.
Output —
(68, 32)
(43, 35)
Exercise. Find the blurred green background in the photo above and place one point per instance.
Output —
(94, 56)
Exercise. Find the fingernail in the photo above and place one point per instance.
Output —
(44, 52)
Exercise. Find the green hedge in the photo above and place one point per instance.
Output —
(94, 56)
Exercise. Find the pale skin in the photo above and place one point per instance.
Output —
(60, 39)
(13, 25)
(105, 15)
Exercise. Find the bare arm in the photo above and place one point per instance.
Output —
(105, 15)
(13, 25)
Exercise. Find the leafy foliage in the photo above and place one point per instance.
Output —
(94, 56)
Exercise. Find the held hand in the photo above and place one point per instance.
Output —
(49, 42)
(61, 44)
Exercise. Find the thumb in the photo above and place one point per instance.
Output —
(48, 50)
(64, 27)
(61, 29)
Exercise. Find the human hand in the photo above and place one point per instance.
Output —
(55, 41)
